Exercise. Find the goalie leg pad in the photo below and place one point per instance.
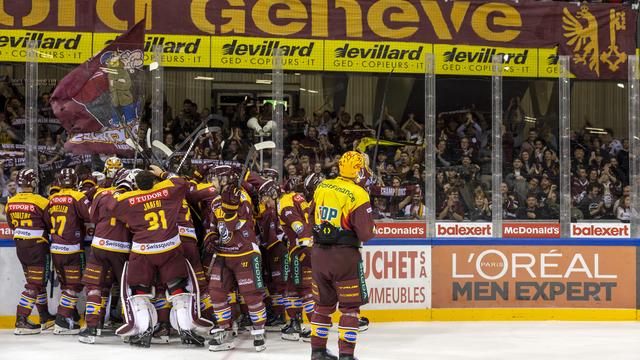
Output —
(144, 316)
(181, 318)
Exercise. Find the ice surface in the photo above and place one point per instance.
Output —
(430, 340)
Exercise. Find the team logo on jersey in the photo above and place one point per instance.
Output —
(245, 233)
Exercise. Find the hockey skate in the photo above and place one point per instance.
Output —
(189, 337)
(244, 323)
(363, 324)
(47, 321)
(259, 340)
(275, 323)
(222, 340)
(65, 326)
(88, 335)
(161, 333)
(24, 326)
(293, 331)
(141, 340)
(322, 355)
(347, 357)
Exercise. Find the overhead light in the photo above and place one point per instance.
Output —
(530, 119)
(598, 132)
(264, 81)
(303, 89)
(594, 128)
(209, 78)
(297, 74)
(621, 85)
(313, 91)
(153, 66)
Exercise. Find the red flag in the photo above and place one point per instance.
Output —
(96, 100)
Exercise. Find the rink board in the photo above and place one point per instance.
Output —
(475, 277)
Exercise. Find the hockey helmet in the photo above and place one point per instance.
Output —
(310, 184)
(350, 164)
(271, 174)
(68, 178)
(269, 188)
(27, 178)
(111, 166)
(294, 184)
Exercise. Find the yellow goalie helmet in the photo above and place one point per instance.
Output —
(111, 166)
(351, 163)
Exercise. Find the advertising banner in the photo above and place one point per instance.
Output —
(464, 230)
(600, 230)
(534, 276)
(478, 60)
(398, 277)
(397, 265)
(363, 56)
(531, 230)
(599, 37)
(53, 47)
(178, 50)
(255, 53)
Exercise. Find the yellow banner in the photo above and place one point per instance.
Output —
(54, 47)
(477, 60)
(366, 56)
(257, 53)
(548, 63)
(178, 50)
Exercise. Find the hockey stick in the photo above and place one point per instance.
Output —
(188, 139)
(162, 147)
(382, 107)
(206, 131)
(252, 151)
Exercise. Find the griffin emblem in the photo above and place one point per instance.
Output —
(584, 39)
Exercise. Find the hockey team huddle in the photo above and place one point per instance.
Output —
(222, 251)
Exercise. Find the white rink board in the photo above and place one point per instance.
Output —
(394, 281)
(12, 283)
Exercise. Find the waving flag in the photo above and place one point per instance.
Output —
(99, 98)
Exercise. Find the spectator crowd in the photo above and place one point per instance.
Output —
(314, 142)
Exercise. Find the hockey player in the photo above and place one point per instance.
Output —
(343, 220)
(275, 255)
(237, 263)
(28, 218)
(110, 249)
(69, 211)
(293, 212)
(200, 196)
(311, 182)
(151, 213)
(111, 167)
